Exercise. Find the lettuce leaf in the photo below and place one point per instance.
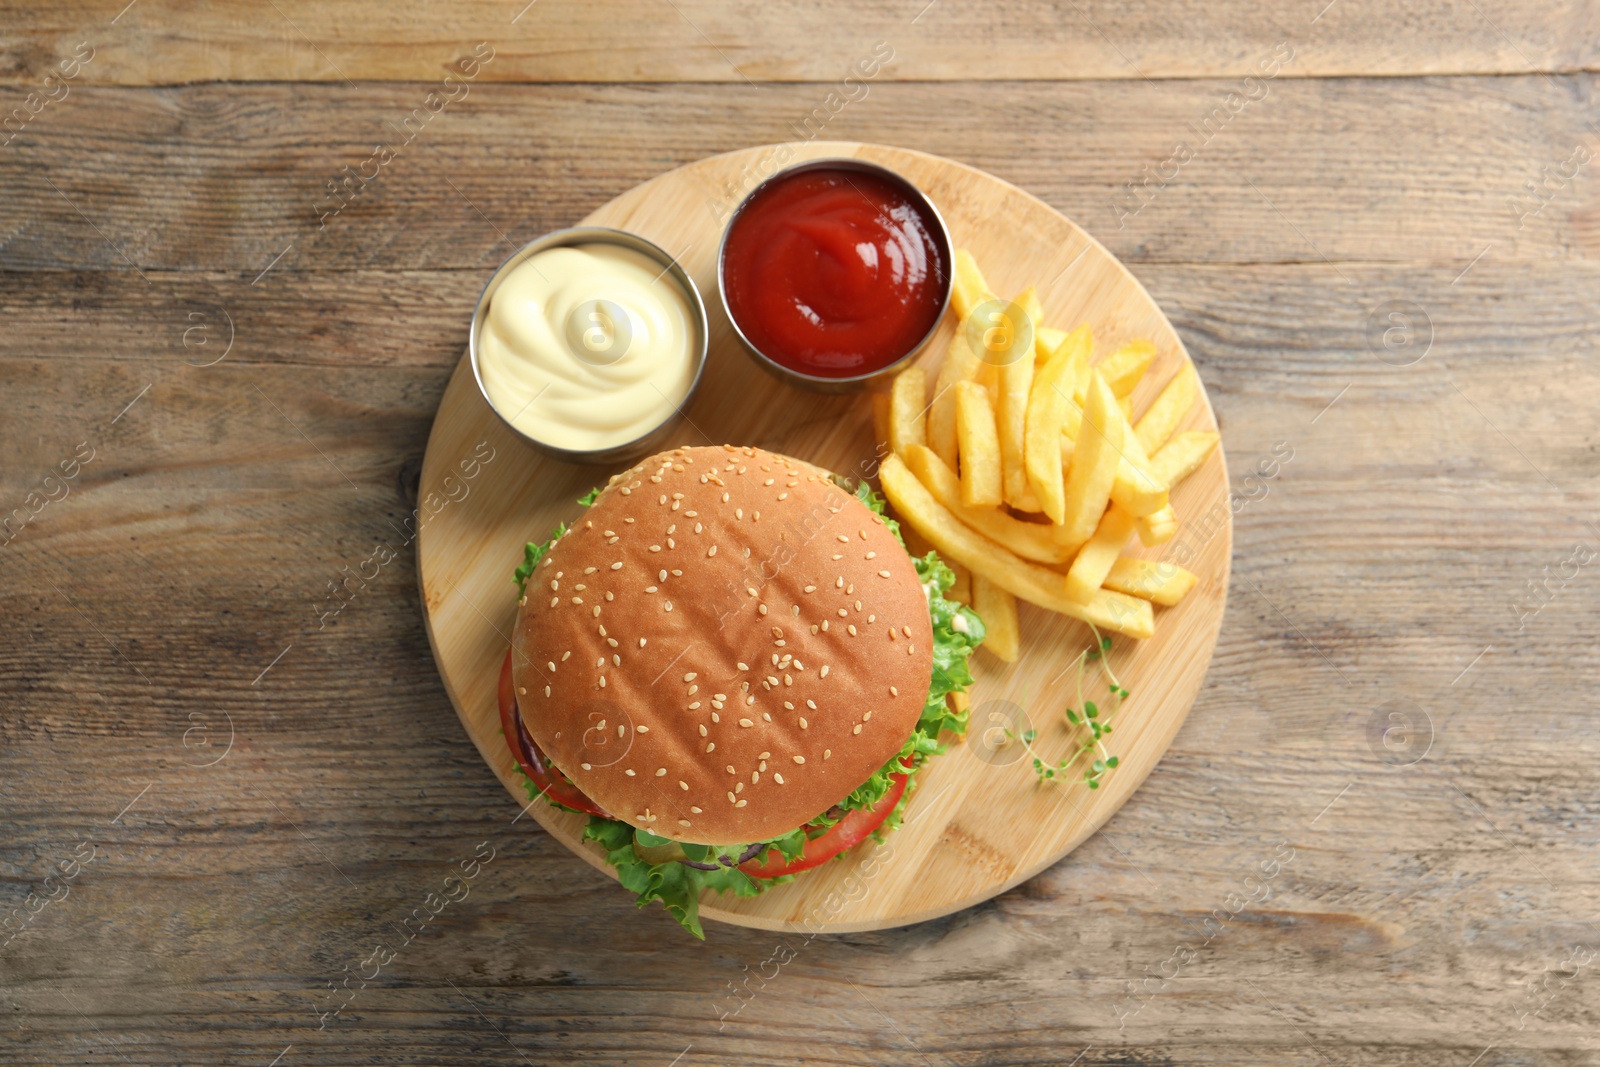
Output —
(677, 885)
(532, 554)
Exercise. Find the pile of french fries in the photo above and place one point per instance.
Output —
(1025, 467)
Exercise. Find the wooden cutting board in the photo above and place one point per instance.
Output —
(980, 822)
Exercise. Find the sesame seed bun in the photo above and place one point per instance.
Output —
(789, 641)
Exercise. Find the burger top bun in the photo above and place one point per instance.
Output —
(723, 647)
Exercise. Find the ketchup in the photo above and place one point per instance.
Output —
(834, 272)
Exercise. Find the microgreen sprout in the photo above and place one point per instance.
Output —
(1091, 724)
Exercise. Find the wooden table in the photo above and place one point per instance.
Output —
(1375, 840)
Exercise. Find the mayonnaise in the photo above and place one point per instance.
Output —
(588, 346)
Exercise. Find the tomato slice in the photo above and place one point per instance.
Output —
(847, 833)
(551, 782)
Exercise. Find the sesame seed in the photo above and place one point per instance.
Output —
(744, 667)
(684, 822)
(655, 548)
(812, 704)
(642, 730)
(684, 786)
(762, 609)
(776, 777)
(827, 752)
(837, 555)
(597, 611)
(863, 534)
(794, 609)
(650, 589)
(693, 689)
(838, 583)
(585, 766)
(811, 588)
(691, 676)
(866, 716)
(612, 641)
(852, 629)
(521, 691)
(731, 770)
(803, 724)
(845, 539)
(731, 797)
(552, 665)
(893, 691)
(641, 642)
(738, 513)
(588, 570)
(711, 746)
(857, 730)
(697, 527)
(714, 716)
(843, 613)
(746, 723)
(547, 690)
(883, 574)
(693, 808)
(669, 605)
(872, 555)
(694, 705)
(741, 803)
(824, 672)
(565, 655)
(554, 601)
(671, 543)
(724, 498)
(824, 625)
(661, 577)
(629, 772)
(703, 730)
(554, 584)
(577, 600)
(799, 759)
(602, 681)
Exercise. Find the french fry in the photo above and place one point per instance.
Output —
(1182, 456)
(1124, 367)
(961, 591)
(1126, 406)
(1096, 558)
(1136, 490)
(1047, 407)
(1168, 410)
(960, 365)
(1028, 299)
(1014, 380)
(1032, 582)
(1095, 456)
(1159, 583)
(998, 610)
(1157, 529)
(1046, 339)
(979, 446)
(969, 289)
(908, 410)
(1030, 540)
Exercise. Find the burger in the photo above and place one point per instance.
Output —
(733, 666)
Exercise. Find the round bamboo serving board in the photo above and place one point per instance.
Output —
(979, 821)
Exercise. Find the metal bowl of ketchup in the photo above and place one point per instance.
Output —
(834, 273)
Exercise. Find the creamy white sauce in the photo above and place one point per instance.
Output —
(587, 347)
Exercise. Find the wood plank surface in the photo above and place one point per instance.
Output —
(1429, 910)
(164, 42)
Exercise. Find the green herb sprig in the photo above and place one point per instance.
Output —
(1092, 724)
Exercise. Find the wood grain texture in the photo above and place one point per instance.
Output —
(1428, 908)
(163, 42)
(978, 822)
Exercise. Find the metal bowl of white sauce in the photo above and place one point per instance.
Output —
(588, 343)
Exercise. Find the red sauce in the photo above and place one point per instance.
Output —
(834, 273)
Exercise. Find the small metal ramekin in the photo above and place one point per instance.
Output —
(582, 235)
(944, 249)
